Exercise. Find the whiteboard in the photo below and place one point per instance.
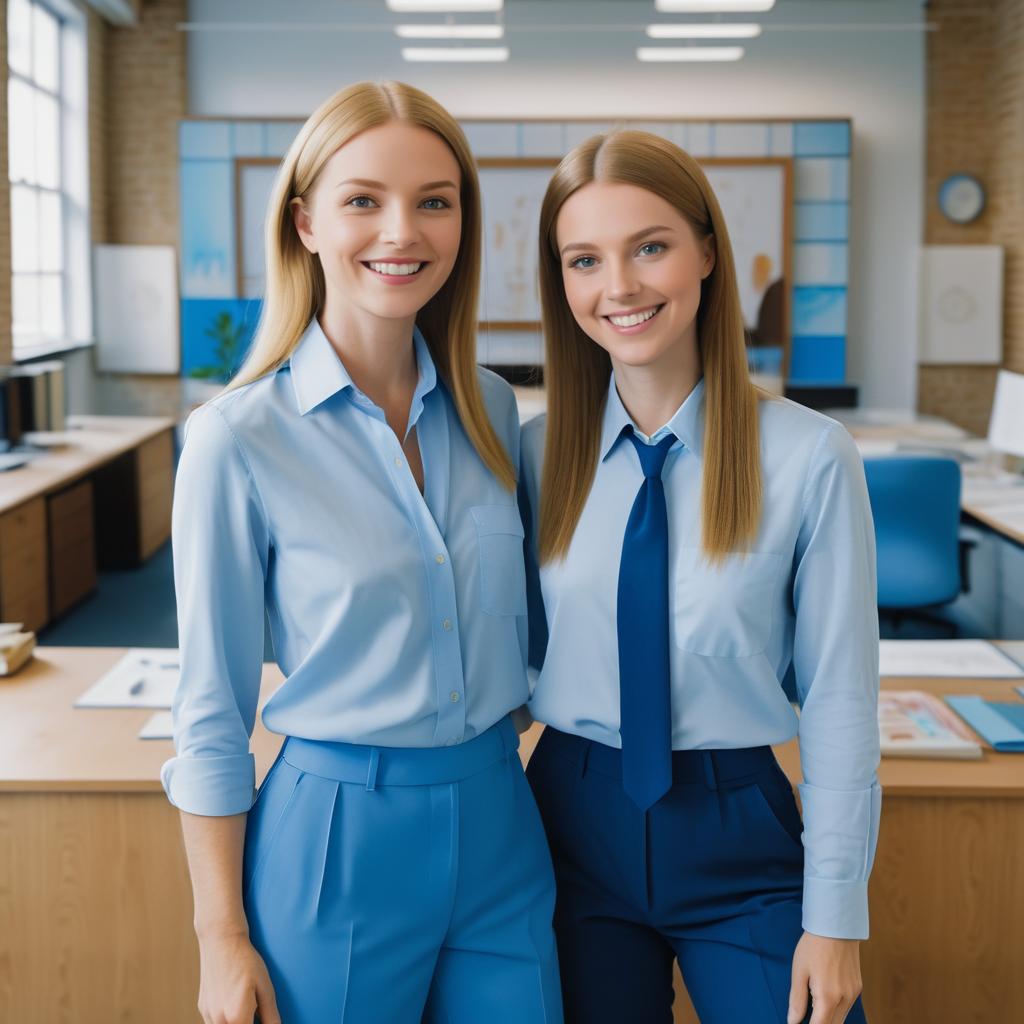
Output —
(136, 307)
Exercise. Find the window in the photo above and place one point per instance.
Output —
(48, 177)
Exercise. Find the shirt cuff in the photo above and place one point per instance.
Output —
(212, 786)
(835, 909)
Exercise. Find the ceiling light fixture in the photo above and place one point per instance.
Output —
(681, 53)
(443, 6)
(711, 6)
(703, 31)
(466, 54)
(449, 31)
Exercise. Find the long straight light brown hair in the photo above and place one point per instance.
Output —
(577, 370)
(295, 288)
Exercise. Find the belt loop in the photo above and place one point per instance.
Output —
(371, 773)
(710, 776)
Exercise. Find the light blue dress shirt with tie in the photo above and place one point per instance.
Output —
(802, 599)
(398, 618)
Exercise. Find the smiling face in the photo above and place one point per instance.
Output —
(632, 270)
(384, 219)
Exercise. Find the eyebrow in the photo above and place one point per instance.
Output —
(430, 186)
(635, 237)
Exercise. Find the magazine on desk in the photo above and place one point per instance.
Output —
(913, 723)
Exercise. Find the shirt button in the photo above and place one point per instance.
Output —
(398, 462)
(454, 696)
(447, 625)
(439, 559)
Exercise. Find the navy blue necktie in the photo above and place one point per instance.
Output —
(645, 698)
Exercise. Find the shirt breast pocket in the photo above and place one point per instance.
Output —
(725, 610)
(499, 533)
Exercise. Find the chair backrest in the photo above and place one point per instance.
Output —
(915, 501)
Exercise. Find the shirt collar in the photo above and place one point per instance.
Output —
(687, 423)
(318, 372)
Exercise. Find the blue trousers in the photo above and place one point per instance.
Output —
(389, 886)
(711, 875)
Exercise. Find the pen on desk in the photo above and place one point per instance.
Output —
(149, 663)
(136, 688)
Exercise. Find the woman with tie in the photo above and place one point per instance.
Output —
(696, 539)
(356, 485)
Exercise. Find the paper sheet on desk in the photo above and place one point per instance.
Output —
(158, 727)
(976, 659)
(155, 667)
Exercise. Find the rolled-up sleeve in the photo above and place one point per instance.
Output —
(221, 543)
(835, 658)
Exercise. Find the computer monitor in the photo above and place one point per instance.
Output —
(1006, 425)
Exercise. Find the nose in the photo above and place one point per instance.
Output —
(622, 280)
(399, 227)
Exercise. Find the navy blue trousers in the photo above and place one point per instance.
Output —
(711, 875)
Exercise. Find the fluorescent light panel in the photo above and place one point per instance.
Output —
(450, 53)
(712, 6)
(703, 31)
(683, 53)
(449, 31)
(443, 6)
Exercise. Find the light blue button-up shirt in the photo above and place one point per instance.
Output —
(804, 597)
(398, 619)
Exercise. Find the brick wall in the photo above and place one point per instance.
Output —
(975, 89)
(137, 94)
(144, 95)
(97, 42)
(5, 202)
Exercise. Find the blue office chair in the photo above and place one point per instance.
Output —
(915, 501)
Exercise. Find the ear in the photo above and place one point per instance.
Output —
(303, 223)
(710, 253)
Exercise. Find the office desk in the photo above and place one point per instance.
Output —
(96, 915)
(102, 498)
(989, 495)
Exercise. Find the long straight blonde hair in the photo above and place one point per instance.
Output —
(577, 369)
(295, 288)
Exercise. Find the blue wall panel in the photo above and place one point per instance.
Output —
(821, 360)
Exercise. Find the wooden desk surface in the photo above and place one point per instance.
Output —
(48, 745)
(92, 441)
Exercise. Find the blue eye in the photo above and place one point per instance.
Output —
(582, 262)
(651, 249)
(362, 202)
(436, 203)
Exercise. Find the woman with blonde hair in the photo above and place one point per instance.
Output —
(696, 539)
(356, 483)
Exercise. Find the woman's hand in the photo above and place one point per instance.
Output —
(234, 985)
(830, 970)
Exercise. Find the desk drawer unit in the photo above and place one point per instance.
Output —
(72, 547)
(155, 460)
(23, 565)
(133, 503)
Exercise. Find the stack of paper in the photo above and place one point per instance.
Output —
(966, 659)
(16, 646)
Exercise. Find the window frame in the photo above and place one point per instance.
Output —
(70, 94)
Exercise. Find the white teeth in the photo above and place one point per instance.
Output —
(396, 268)
(633, 319)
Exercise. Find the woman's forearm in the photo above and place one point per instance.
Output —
(214, 847)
